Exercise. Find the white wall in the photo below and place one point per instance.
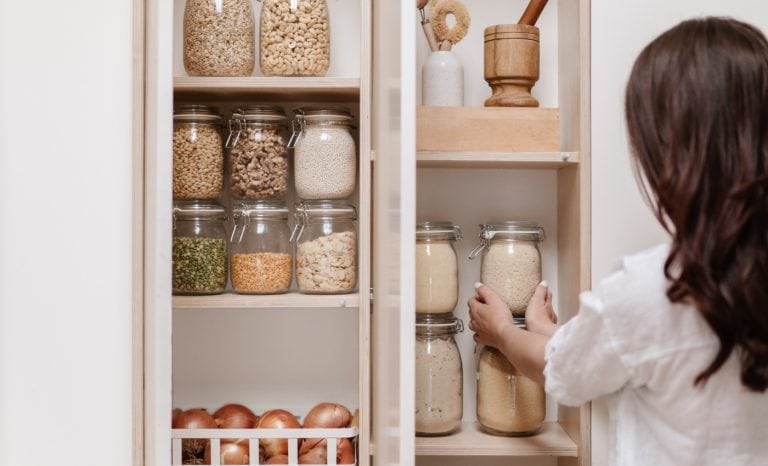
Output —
(621, 222)
(65, 232)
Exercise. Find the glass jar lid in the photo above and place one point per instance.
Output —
(340, 115)
(261, 113)
(196, 113)
(450, 326)
(440, 230)
(198, 210)
(262, 209)
(507, 230)
(319, 211)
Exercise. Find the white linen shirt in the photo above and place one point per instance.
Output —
(628, 341)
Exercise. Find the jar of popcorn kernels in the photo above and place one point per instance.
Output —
(326, 247)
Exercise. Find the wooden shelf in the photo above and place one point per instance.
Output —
(471, 441)
(496, 160)
(283, 89)
(288, 300)
(487, 129)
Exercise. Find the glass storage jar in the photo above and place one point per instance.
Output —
(199, 248)
(219, 38)
(439, 382)
(326, 247)
(511, 264)
(258, 153)
(198, 153)
(508, 403)
(294, 38)
(261, 259)
(437, 268)
(325, 161)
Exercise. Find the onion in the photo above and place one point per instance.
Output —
(276, 419)
(196, 418)
(231, 453)
(355, 421)
(345, 453)
(326, 416)
(235, 416)
(279, 459)
(174, 413)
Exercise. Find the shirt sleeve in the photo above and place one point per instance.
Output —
(582, 362)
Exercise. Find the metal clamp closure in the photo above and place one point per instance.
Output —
(236, 132)
(299, 125)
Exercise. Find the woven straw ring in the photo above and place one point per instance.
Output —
(440, 10)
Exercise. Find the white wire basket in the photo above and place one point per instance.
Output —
(294, 436)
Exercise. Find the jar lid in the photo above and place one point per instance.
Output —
(191, 210)
(438, 230)
(196, 112)
(449, 326)
(310, 211)
(263, 209)
(265, 113)
(311, 114)
(521, 230)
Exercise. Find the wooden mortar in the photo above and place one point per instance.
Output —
(511, 64)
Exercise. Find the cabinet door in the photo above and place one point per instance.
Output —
(393, 123)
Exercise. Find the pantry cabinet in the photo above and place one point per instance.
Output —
(464, 164)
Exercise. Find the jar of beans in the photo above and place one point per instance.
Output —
(511, 264)
(198, 153)
(261, 260)
(258, 153)
(324, 157)
(508, 402)
(199, 248)
(219, 38)
(294, 38)
(326, 247)
(437, 268)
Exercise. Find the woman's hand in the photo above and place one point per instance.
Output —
(489, 317)
(540, 316)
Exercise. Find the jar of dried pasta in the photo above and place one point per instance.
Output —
(511, 263)
(437, 268)
(261, 259)
(439, 381)
(326, 247)
(198, 152)
(219, 38)
(258, 153)
(294, 38)
(508, 403)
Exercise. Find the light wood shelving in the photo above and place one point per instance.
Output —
(471, 441)
(291, 89)
(496, 159)
(281, 301)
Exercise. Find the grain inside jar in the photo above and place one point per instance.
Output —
(437, 273)
(198, 153)
(199, 254)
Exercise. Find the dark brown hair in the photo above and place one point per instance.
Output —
(697, 114)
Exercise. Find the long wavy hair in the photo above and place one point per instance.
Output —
(697, 114)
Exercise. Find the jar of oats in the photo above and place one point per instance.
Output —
(325, 161)
(199, 248)
(439, 384)
(258, 153)
(437, 268)
(261, 259)
(508, 403)
(326, 247)
(198, 152)
(511, 263)
(294, 38)
(219, 38)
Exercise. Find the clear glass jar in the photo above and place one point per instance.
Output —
(439, 381)
(325, 160)
(198, 153)
(508, 403)
(219, 38)
(261, 259)
(199, 248)
(258, 153)
(294, 38)
(326, 247)
(511, 264)
(437, 268)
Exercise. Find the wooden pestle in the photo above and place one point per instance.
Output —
(532, 12)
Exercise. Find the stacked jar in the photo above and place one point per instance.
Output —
(199, 240)
(509, 403)
(438, 361)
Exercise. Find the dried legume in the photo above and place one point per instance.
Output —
(199, 265)
(263, 272)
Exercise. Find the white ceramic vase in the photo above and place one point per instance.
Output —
(442, 80)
